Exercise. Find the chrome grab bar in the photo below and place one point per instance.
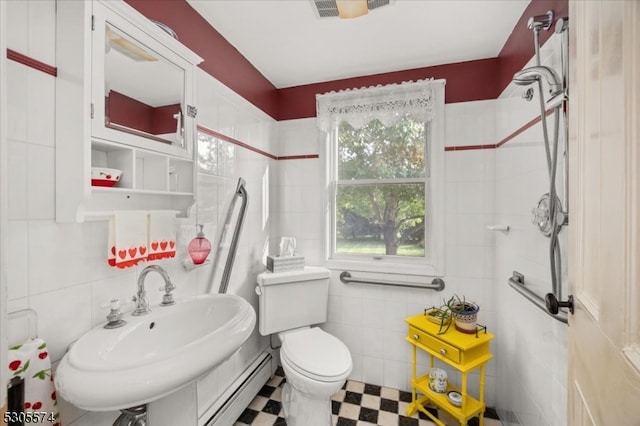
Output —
(437, 283)
(517, 283)
(241, 191)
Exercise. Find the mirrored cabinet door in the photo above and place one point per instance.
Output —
(142, 84)
(143, 91)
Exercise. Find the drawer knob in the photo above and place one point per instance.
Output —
(416, 337)
(443, 351)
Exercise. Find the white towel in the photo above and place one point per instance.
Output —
(162, 234)
(31, 362)
(128, 238)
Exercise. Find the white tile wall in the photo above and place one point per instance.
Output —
(300, 202)
(17, 105)
(227, 113)
(532, 354)
(60, 270)
(370, 319)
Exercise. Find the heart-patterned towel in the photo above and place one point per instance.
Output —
(128, 238)
(162, 234)
(31, 362)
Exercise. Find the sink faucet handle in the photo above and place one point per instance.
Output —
(114, 319)
(167, 297)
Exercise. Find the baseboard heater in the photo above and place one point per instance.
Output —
(240, 394)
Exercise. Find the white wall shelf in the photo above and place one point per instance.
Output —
(190, 266)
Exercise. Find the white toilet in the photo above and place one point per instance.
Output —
(316, 364)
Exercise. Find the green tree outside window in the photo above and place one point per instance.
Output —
(380, 192)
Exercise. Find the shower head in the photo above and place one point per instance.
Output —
(530, 75)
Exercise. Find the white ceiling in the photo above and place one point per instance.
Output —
(291, 46)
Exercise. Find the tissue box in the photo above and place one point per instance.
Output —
(285, 263)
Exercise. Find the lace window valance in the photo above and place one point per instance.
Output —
(389, 104)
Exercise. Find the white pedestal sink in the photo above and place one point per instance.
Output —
(154, 354)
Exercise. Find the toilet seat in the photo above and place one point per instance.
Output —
(316, 354)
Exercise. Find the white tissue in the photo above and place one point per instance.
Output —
(287, 246)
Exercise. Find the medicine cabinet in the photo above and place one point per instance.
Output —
(124, 100)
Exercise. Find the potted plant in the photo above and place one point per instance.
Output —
(464, 313)
(441, 316)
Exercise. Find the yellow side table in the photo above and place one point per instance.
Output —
(464, 352)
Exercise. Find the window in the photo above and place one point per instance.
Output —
(385, 177)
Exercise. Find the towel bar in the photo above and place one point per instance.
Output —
(437, 283)
(106, 215)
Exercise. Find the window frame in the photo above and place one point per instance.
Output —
(432, 264)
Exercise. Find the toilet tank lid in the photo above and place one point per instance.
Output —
(307, 274)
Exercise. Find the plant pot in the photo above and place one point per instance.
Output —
(465, 317)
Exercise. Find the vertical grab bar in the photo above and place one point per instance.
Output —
(241, 191)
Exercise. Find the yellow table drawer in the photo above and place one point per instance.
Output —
(444, 349)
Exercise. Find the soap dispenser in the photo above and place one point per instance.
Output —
(199, 248)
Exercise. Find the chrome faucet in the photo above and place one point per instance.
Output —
(142, 304)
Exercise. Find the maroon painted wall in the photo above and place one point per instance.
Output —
(466, 81)
(125, 111)
(162, 121)
(519, 48)
(462, 85)
(221, 59)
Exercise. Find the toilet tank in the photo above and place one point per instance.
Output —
(292, 299)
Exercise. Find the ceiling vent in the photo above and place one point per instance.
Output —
(329, 8)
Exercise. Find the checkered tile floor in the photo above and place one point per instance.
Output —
(356, 404)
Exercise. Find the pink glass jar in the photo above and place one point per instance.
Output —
(199, 248)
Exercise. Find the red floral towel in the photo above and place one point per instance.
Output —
(31, 362)
(127, 238)
(162, 234)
